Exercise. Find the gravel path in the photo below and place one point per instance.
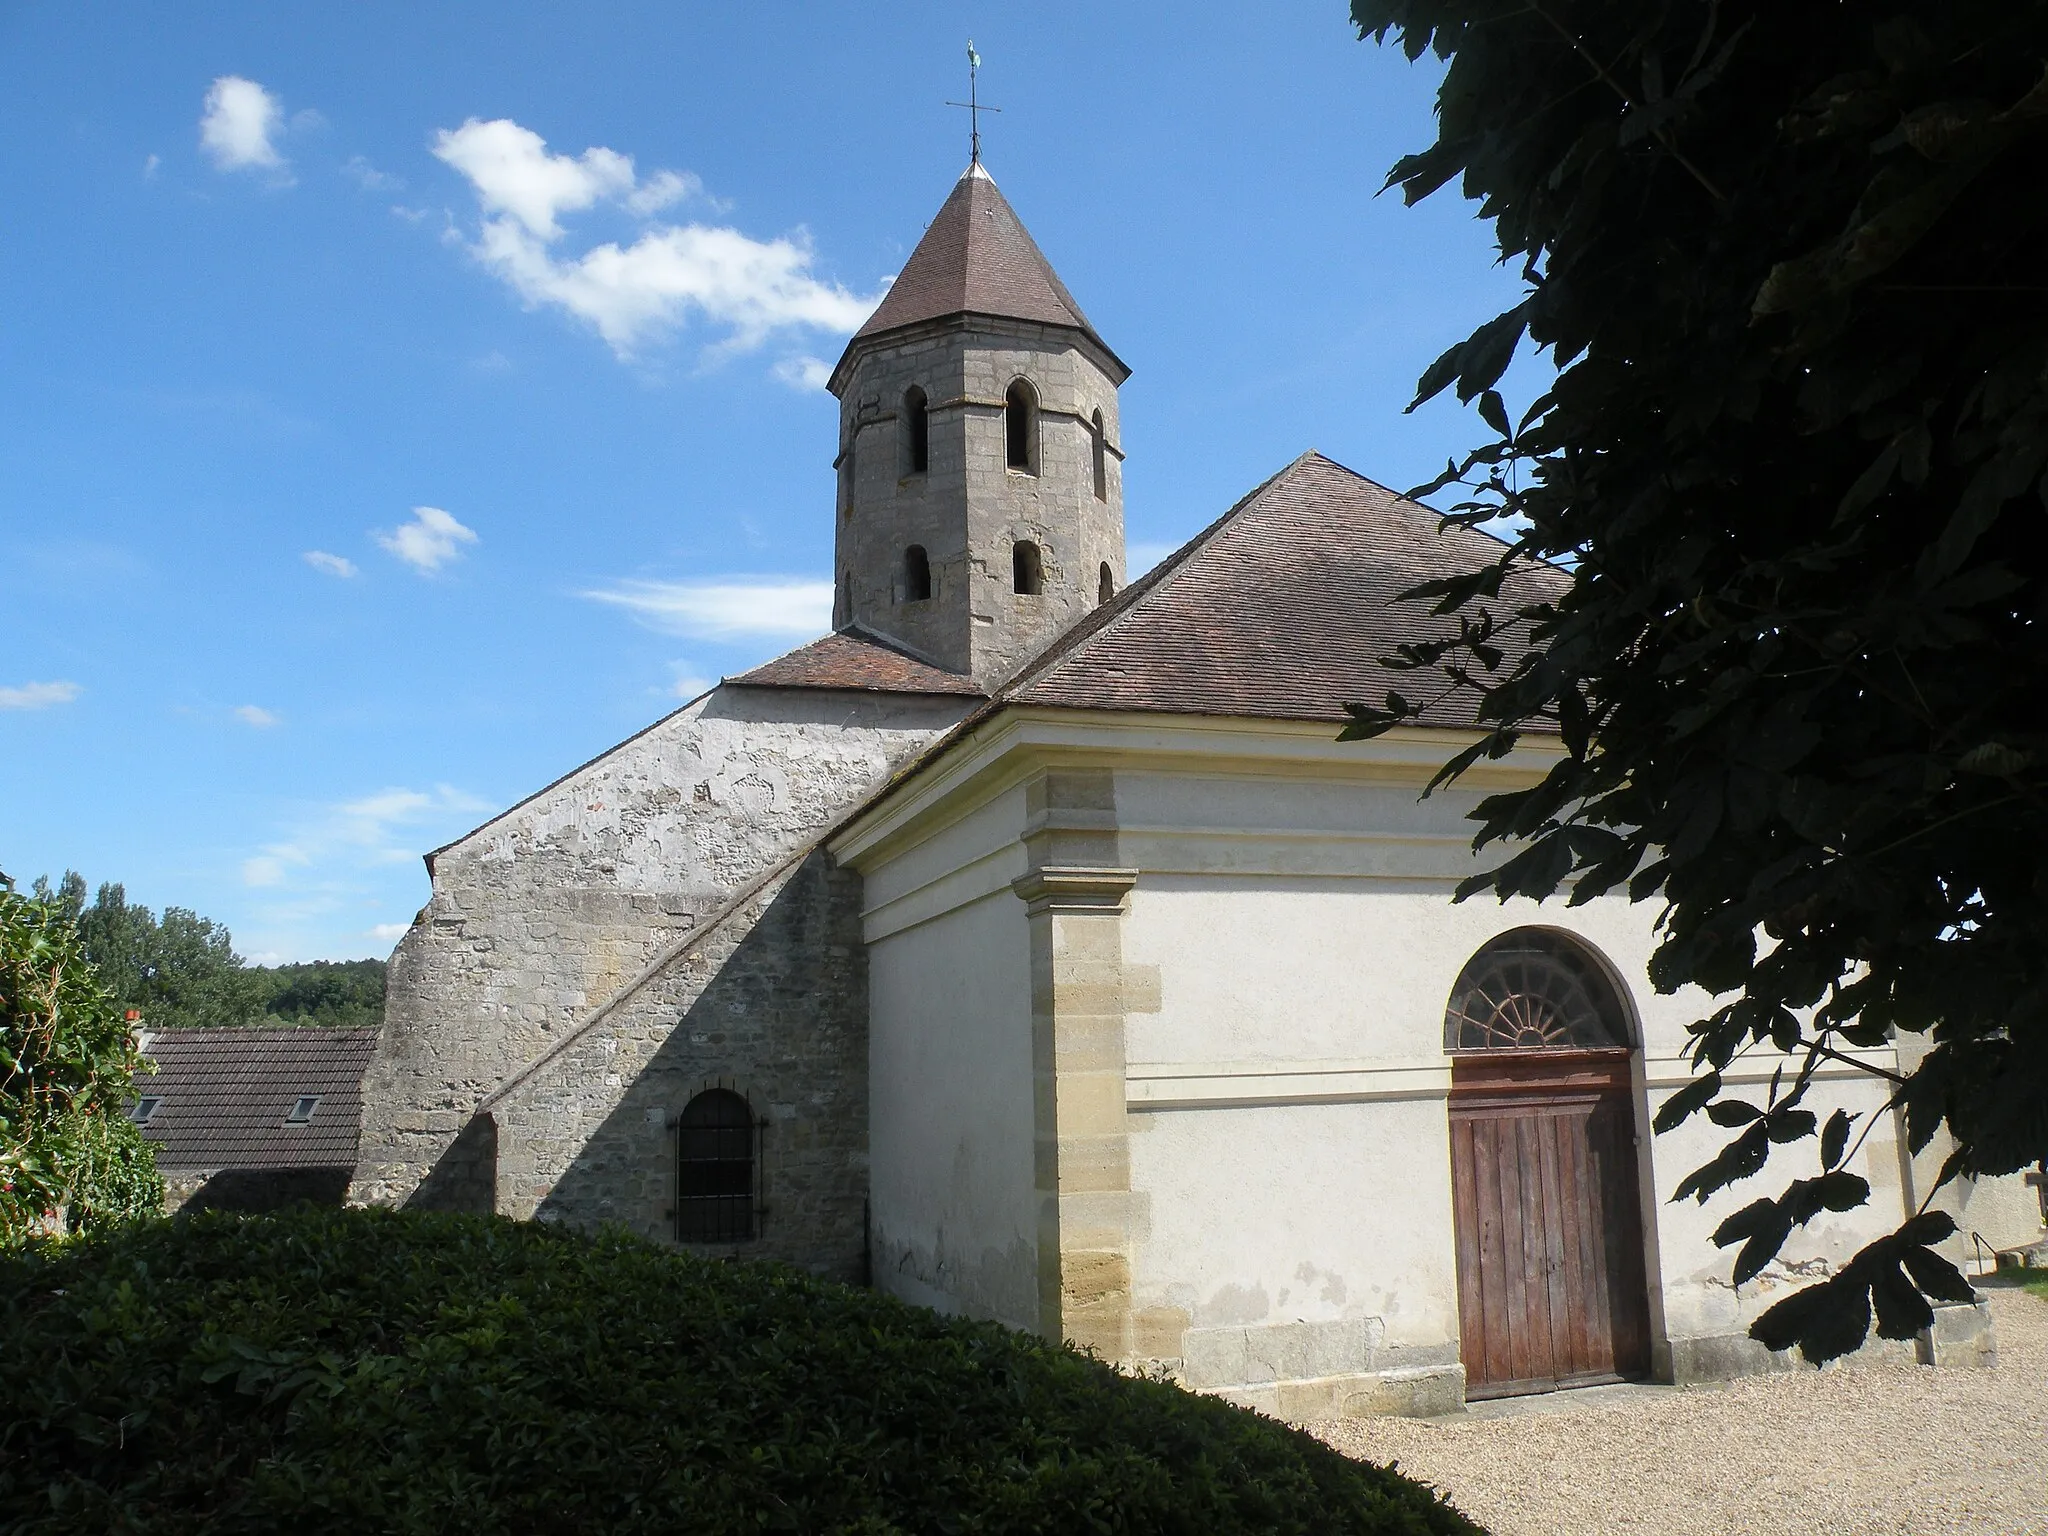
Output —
(1850, 1451)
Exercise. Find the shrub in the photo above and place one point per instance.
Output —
(67, 1067)
(404, 1372)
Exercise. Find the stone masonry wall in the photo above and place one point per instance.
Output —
(771, 1004)
(542, 916)
(967, 509)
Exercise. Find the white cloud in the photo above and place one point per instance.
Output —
(368, 177)
(661, 189)
(807, 373)
(633, 293)
(38, 695)
(389, 933)
(689, 682)
(149, 167)
(333, 565)
(429, 541)
(363, 833)
(1141, 556)
(256, 715)
(777, 607)
(236, 129)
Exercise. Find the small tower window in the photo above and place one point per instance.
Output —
(1100, 449)
(715, 1169)
(917, 433)
(1105, 584)
(845, 613)
(1020, 427)
(846, 482)
(917, 574)
(1027, 568)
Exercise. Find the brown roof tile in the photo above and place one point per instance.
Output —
(853, 659)
(224, 1094)
(1281, 609)
(976, 258)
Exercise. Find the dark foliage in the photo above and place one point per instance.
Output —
(356, 1371)
(326, 994)
(182, 972)
(1787, 258)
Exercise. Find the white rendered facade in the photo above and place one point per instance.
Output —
(1157, 1042)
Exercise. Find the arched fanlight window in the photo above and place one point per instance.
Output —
(917, 434)
(1100, 448)
(716, 1160)
(917, 574)
(1105, 583)
(1534, 990)
(1027, 569)
(1020, 427)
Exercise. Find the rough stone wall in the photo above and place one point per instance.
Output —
(968, 509)
(541, 917)
(770, 1003)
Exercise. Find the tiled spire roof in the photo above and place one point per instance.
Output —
(977, 258)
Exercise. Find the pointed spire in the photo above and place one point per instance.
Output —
(977, 258)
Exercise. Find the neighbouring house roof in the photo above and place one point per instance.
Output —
(854, 659)
(976, 258)
(1281, 609)
(225, 1095)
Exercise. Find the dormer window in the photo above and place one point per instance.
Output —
(145, 1109)
(917, 432)
(917, 574)
(1027, 569)
(1099, 447)
(1020, 427)
(301, 1112)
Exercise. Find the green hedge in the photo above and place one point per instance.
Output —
(374, 1371)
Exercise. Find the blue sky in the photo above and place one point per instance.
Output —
(366, 368)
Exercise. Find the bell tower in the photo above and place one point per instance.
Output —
(980, 505)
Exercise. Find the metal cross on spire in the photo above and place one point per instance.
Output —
(973, 103)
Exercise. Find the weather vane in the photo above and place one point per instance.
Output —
(973, 103)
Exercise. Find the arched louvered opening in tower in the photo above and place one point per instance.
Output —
(917, 432)
(1099, 447)
(917, 574)
(1105, 583)
(1027, 569)
(1020, 427)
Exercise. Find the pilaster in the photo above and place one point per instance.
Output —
(1075, 896)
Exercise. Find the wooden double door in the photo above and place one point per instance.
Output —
(1551, 1286)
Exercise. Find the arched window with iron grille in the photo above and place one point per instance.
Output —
(717, 1158)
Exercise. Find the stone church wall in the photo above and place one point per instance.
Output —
(596, 887)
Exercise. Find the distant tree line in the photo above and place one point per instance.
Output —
(181, 971)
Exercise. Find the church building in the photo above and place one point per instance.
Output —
(1029, 947)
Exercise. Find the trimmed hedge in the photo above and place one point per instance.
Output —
(378, 1371)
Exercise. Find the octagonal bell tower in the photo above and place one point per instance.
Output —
(980, 505)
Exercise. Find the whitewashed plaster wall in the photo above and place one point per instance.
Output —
(954, 1220)
(1289, 948)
